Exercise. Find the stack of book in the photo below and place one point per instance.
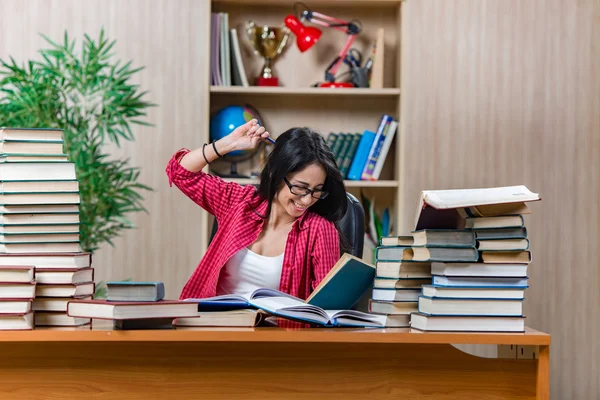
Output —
(478, 248)
(398, 278)
(17, 290)
(133, 305)
(39, 219)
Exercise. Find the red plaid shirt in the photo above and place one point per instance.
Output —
(311, 250)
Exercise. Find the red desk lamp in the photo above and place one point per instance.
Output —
(307, 36)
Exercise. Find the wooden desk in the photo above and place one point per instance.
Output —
(264, 363)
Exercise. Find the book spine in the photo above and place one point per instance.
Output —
(385, 149)
(362, 153)
(349, 156)
(367, 173)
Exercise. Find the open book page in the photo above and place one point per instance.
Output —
(355, 318)
(236, 301)
(266, 292)
(441, 199)
(290, 307)
(223, 302)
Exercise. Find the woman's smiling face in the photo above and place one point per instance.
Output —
(311, 177)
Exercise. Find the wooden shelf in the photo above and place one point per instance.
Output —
(308, 91)
(348, 183)
(321, 3)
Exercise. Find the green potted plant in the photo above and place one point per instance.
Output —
(91, 98)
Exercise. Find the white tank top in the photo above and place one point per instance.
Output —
(247, 271)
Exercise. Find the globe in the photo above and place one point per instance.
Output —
(224, 121)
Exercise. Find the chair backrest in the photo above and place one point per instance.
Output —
(352, 226)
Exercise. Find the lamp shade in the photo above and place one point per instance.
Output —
(306, 36)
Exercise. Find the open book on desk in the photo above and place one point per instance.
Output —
(283, 305)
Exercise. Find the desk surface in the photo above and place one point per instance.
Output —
(101, 331)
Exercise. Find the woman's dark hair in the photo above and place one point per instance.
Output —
(296, 149)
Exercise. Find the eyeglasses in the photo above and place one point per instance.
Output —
(303, 191)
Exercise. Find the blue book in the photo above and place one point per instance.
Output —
(135, 291)
(361, 155)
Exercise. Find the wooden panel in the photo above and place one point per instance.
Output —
(261, 371)
(167, 37)
(508, 92)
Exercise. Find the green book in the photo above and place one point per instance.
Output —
(344, 285)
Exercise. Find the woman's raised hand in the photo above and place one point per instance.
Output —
(247, 136)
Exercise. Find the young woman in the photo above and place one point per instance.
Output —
(282, 235)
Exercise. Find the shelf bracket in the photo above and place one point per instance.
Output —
(518, 351)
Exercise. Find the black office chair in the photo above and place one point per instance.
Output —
(352, 225)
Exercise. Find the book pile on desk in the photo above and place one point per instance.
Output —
(17, 290)
(398, 279)
(39, 220)
(133, 305)
(477, 245)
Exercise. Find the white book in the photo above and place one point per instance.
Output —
(103, 309)
(472, 293)
(25, 147)
(466, 324)
(39, 198)
(448, 209)
(53, 247)
(39, 209)
(53, 303)
(64, 276)
(31, 229)
(479, 269)
(481, 282)
(31, 134)
(460, 306)
(385, 149)
(65, 290)
(15, 306)
(454, 198)
(35, 238)
(396, 294)
(16, 322)
(16, 273)
(239, 77)
(53, 318)
(233, 318)
(32, 158)
(17, 290)
(18, 171)
(66, 186)
(48, 260)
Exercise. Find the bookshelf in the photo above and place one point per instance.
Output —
(295, 102)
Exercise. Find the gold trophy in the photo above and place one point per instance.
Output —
(268, 42)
